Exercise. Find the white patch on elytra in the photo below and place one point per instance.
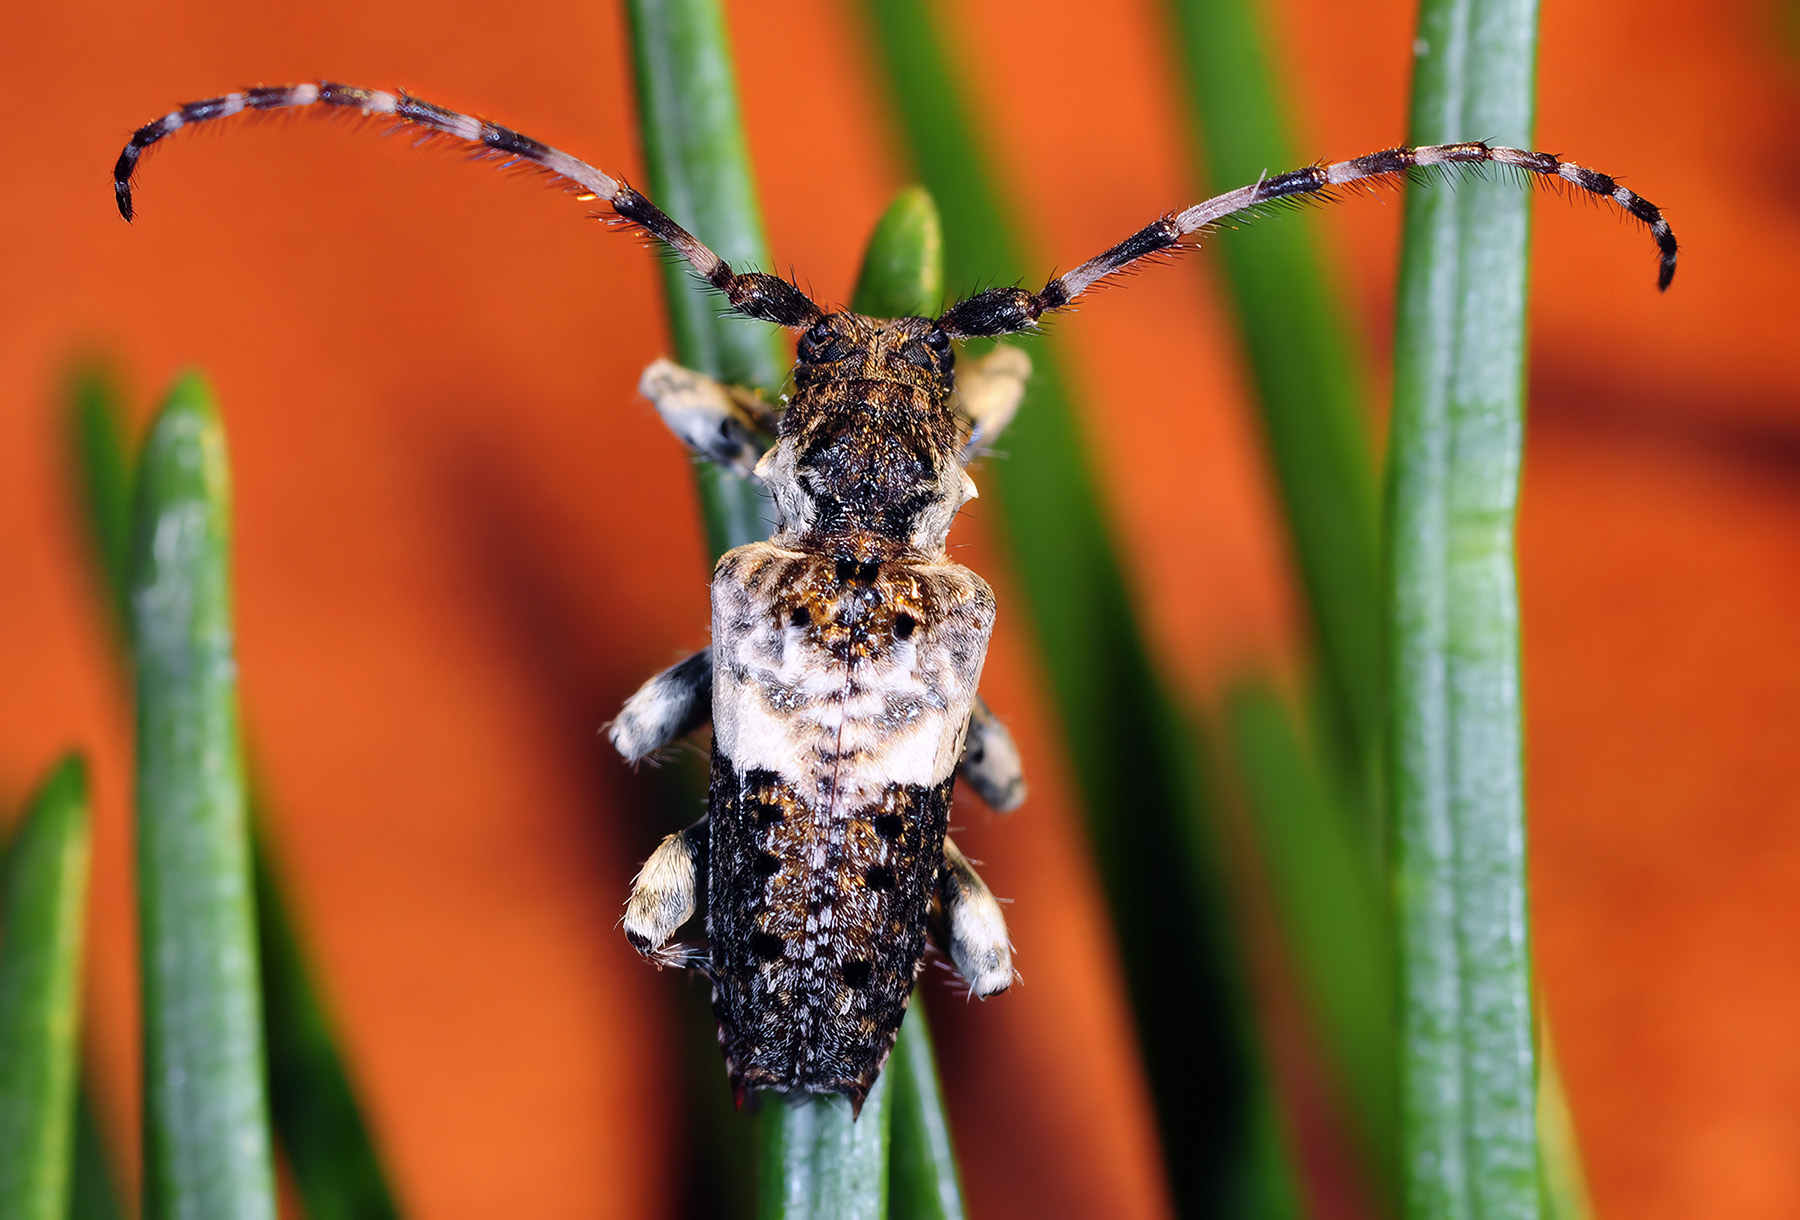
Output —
(844, 733)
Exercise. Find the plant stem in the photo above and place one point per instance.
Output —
(43, 905)
(820, 1164)
(206, 1136)
(1469, 1140)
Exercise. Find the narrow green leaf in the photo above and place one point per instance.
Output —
(699, 171)
(1309, 384)
(100, 470)
(924, 1183)
(100, 467)
(1562, 1182)
(312, 1100)
(43, 908)
(206, 1137)
(101, 450)
(819, 1163)
(1331, 909)
(1317, 812)
(329, 1148)
(1469, 1139)
(94, 1195)
(1134, 753)
(902, 272)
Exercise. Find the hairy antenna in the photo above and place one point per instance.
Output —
(765, 297)
(1002, 311)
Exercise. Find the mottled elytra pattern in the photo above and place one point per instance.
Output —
(846, 651)
(842, 692)
(817, 923)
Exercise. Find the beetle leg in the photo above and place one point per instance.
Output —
(722, 423)
(665, 894)
(673, 703)
(988, 390)
(970, 928)
(990, 762)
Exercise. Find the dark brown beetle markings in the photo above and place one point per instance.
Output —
(836, 739)
(841, 680)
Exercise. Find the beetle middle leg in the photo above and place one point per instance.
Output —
(672, 704)
(969, 927)
(990, 762)
(722, 423)
(665, 894)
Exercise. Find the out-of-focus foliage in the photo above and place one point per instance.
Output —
(43, 910)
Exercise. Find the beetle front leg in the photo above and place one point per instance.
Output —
(990, 763)
(672, 704)
(722, 423)
(665, 894)
(988, 391)
(970, 928)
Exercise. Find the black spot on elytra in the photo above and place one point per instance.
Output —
(857, 972)
(768, 813)
(889, 825)
(800, 617)
(879, 877)
(767, 862)
(769, 948)
(903, 625)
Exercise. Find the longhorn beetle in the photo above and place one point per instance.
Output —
(841, 682)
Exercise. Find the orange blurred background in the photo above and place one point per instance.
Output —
(462, 541)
